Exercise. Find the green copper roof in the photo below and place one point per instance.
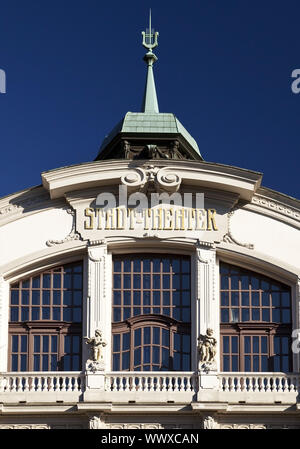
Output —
(150, 123)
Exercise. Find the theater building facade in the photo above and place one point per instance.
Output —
(149, 289)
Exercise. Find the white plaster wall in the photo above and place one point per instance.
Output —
(269, 236)
(29, 234)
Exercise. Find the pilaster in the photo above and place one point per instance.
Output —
(207, 310)
(98, 311)
(4, 306)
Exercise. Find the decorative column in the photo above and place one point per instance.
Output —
(207, 315)
(98, 312)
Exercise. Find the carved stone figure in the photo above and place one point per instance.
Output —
(126, 149)
(97, 343)
(207, 347)
(208, 423)
(96, 422)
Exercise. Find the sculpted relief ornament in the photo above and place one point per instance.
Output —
(151, 178)
(96, 363)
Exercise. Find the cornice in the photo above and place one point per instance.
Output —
(276, 205)
(195, 173)
(26, 202)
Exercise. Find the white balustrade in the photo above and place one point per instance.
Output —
(259, 382)
(41, 382)
(151, 381)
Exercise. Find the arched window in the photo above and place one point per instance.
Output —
(255, 315)
(45, 321)
(151, 313)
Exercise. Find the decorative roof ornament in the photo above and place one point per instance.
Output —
(150, 103)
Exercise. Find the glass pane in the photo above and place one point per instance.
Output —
(77, 281)
(117, 281)
(35, 313)
(264, 363)
(116, 362)
(146, 281)
(36, 282)
(226, 345)
(186, 346)
(76, 344)
(14, 314)
(255, 314)
(265, 299)
(156, 281)
(127, 265)
(45, 343)
(255, 299)
(256, 345)
(137, 298)
(23, 343)
(25, 297)
(266, 315)
(234, 283)
(226, 365)
(234, 345)
(54, 343)
(15, 343)
(185, 281)
(155, 354)
(286, 316)
(166, 281)
(126, 341)
(146, 298)
(46, 297)
(36, 345)
(56, 297)
(56, 280)
(137, 281)
(117, 266)
(136, 265)
(25, 314)
(285, 299)
(166, 298)
(77, 298)
(137, 356)
(146, 354)
(146, 335)
(275, 299)
(234, 298)
(165, 337)
(245, 315)
(137, 337)
(234, 361)
(67, 298)
(46, 281)
(245, 299)
(116, 343)
(125, 360)
(186, 298)
(36, 363)
(23, 362)
(14, 297)
(247, 345)
(127, 298)
(247, 362)
(156, 335)
(224, 283)
(234, 315)
(224, 315)
(127, 281)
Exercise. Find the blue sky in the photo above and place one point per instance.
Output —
(74, 68)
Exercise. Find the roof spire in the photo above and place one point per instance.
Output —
(150, 36)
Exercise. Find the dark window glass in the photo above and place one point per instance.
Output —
(263, 306)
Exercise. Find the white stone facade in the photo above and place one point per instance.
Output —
(42, 227)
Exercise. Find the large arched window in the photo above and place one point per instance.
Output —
(151, 313)
(45, 321)
(255, 315)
